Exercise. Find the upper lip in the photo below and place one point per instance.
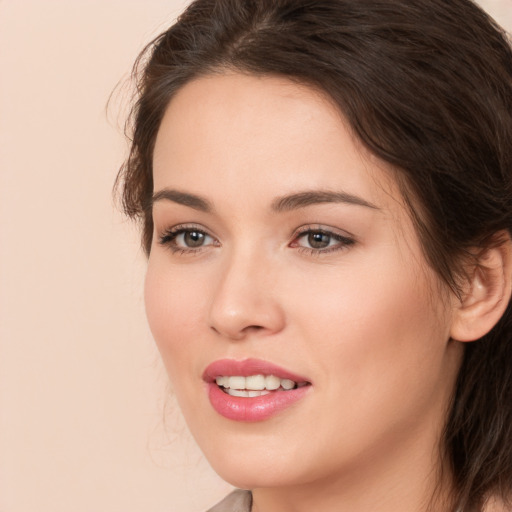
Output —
(246, 367)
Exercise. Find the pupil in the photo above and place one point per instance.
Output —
(318, 240)
(194, 238)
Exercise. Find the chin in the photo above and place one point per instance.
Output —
(250, 463)
(244, 475)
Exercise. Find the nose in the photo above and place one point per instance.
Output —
(245, 300)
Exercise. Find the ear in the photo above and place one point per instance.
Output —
(487, 292)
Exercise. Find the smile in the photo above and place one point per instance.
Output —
(254, 385)
(252, 390)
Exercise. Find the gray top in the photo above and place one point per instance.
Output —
(237, 501)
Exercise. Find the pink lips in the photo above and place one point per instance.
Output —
(251, 409)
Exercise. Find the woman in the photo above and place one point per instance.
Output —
(325, 194)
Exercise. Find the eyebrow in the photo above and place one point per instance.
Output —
(184, 198)
(311, 197)
(281, 204)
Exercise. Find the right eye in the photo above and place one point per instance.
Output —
(186, 239)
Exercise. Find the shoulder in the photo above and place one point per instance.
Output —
(237, 501)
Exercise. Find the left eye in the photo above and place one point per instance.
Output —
(319, 240)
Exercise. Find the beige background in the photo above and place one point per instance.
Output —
(82, 391)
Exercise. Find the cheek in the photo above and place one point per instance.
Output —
(378, 333)
(377, 347)
(173, 312)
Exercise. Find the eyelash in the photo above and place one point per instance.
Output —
(168, 239)
(343, 241)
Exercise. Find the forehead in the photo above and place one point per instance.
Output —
(262, 135)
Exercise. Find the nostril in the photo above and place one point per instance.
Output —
(251, 329)
(239, 334)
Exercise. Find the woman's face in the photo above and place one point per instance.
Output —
(282, 252)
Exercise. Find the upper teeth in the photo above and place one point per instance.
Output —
(255, 382)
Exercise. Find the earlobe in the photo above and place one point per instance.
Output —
(487, 293)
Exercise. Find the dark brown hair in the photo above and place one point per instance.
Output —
(427, 86)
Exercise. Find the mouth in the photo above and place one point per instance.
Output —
(252, 390)
(255, 385)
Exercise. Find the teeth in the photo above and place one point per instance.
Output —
(254, 383)
(245, 393)
(258, 393)
(222, 381)
(272, 382)
(236, 382)
(287, 384)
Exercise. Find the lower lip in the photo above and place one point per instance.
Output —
(257, 408)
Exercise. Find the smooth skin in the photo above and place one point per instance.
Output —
(331, 287)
